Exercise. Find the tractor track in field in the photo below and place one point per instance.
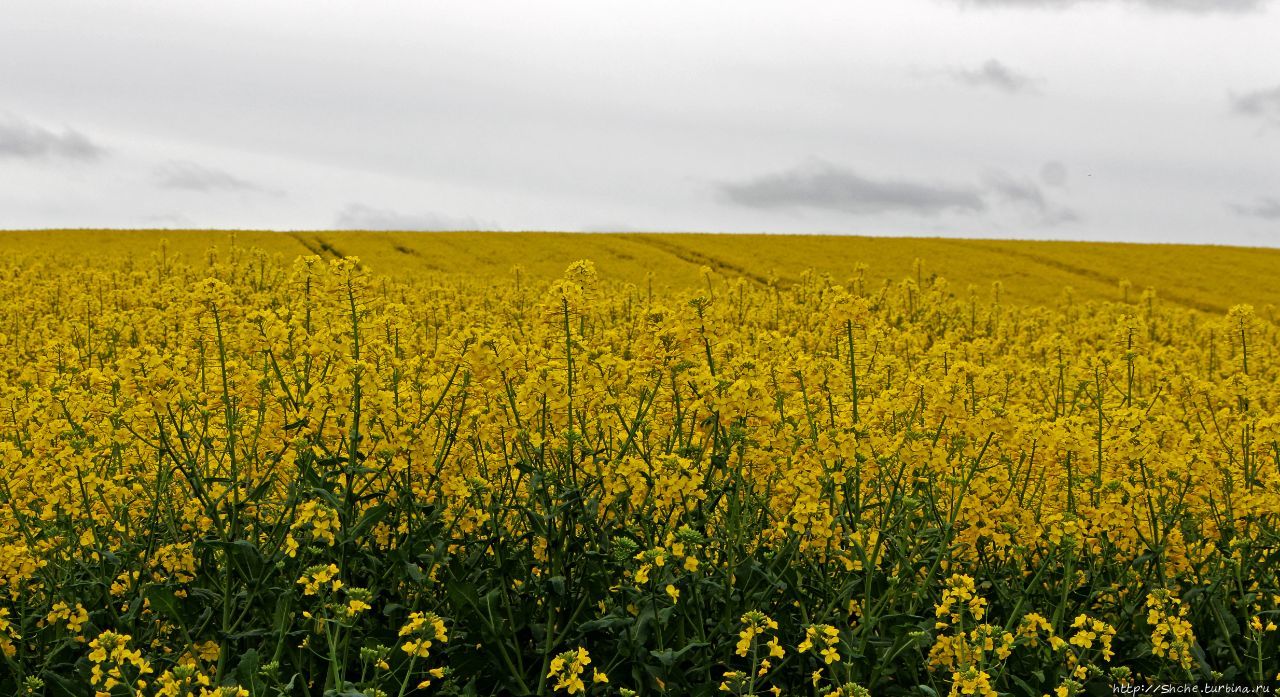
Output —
(309, 246)
(1083, 272)
(332, 250)
(416, 255)
(319, 246)
(693, 257)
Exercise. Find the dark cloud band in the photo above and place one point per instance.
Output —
(189, 176)
(1266, 208)
(995, 74)
(21, 139)
(822, 185)
(1262, 104)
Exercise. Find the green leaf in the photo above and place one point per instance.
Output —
(371, 517)
(669, 657)
(611, 623)
(461, 593)
(243, 552)
(247, 670)
(164, 602)
(557, 585)
(62, 686)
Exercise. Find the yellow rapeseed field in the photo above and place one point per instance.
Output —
(606, 464)
(1203, 277)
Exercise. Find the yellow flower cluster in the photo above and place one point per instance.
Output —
(972, 681)
(754, 625)
(8, 634)
(1089, 631)
(1171, 634)
(75, 618)
(959, 595)
(848, 690)
(320, 578)
(825, 639)
(182, 681)
(568, 668)
(115, 663)
(174, 563)
(314, 522)
(421, 632)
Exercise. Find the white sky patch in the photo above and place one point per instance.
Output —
(360, 216)
(563, 116)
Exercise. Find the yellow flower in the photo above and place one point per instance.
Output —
(316, 577)
(825, 639)
(567, 669)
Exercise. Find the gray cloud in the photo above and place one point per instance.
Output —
(1192, 6)
(1263, 104)
(1025, 194)
(824, 186)
(358, 216)
(25, 140)
(1060, 216)
(190, 176)
(1266, 208)
(1054, 174)
(995, 74)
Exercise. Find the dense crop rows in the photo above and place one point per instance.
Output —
(250, 476)
(1209, 278)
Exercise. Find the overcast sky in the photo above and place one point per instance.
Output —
(1138, 120)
